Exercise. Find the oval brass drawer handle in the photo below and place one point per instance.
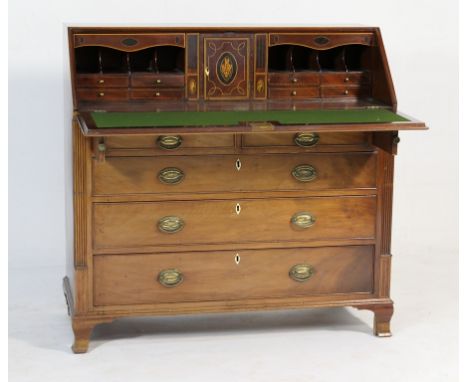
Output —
(171, 175)
(171, 224)
(301, 272)
(170, 277)
(303, 220)
(306, 139)
(169, 142)
(304, 173)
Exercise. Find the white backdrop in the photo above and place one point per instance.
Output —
(421, 42)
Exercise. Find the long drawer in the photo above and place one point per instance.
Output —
(156, 224)
(152, 279)
(215, 173)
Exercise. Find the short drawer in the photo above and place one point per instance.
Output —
(345, 91)
(293, 78)
(171, 143)
(152, 279)
(215, 173)
(156, 224)
(157, 80)
(293, 92)
(304, 140)
(345, 78)
(102, 80)
(98, 94)
(163, 93)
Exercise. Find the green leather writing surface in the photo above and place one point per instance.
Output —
(231, 118)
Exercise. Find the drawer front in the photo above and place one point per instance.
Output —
(293, 79)
(157, 93)
(215, 173)
(158, 80)
(294, 92)
(306, 140)
(136, 225)
(345, 78)
(345, 91)
(102, 80)
(171, 143)
(151, 279)
(321, 40)
(98, 94)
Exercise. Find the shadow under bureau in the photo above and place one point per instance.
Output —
(230, 169)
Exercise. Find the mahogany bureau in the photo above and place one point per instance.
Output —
(230, 169)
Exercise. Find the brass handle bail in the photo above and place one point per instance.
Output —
(303, 220)
(169, 142)
(301, 272)
(304, 173)
(171, 175)
(170, 277)
(306, 139)
(171, 224)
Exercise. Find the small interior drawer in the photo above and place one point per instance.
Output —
(163, 93)
(293, 92)
(102, 94)
(293, 78)
(157, 80)
(102, 80)
(345, 78)
(345, 91)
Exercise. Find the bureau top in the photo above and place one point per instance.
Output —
(231, 78)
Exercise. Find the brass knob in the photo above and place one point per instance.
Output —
(304, 173)
(171, 224)
(100, 81)
(171, 175)
(158, 81)
(157, 94)
(303, 220)
(306, 139)
(301, 272)
(346, 92)
(101, 94)
(293, 93)
(102, 147)
(294, 80)
(346, 79)
(169, 142)
(170, 277)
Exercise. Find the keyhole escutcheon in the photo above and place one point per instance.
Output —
(238, 164)
(238, 208)
(237, 259)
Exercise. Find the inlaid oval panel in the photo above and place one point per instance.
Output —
(226, 68)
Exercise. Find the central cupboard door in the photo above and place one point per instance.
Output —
(226, 67)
